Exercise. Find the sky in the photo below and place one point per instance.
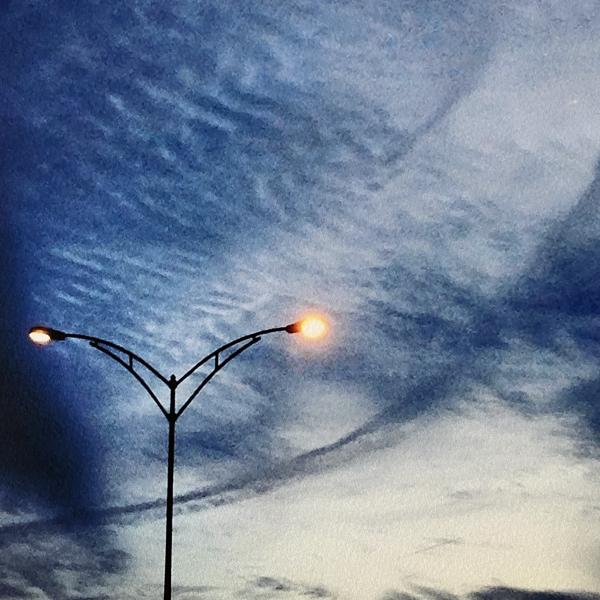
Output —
(174, 175)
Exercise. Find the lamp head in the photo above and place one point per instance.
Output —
(312, 327)
(293, 327)
(42, 336)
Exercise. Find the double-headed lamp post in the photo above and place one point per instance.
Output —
(311, 327)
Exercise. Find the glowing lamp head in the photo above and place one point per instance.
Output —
(42, 336)
(313, 327)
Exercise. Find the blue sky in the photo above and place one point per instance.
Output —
(175, 175)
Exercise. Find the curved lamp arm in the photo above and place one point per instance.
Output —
(293, 328)
(129, 366)
(250, 339)
(97, 342)
(44, 335)
(218, 366)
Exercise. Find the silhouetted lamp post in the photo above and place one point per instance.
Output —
(311, 327)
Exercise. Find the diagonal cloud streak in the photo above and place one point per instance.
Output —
(469, 367)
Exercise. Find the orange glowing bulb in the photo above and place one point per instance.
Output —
(313, 327)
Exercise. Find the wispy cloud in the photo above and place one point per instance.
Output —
(60, 566)
(427, 173)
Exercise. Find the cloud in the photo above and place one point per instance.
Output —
(507, 593)
(484, 485)
(270, 587)
(491, 593)
(562, 284)
(328, 136)
(61, 566)
(421, 171)
(269, 479)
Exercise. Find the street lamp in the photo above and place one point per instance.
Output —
(311, 327)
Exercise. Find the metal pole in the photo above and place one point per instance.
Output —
(170, 469)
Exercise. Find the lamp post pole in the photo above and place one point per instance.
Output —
(170, 472)
(220, 358)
